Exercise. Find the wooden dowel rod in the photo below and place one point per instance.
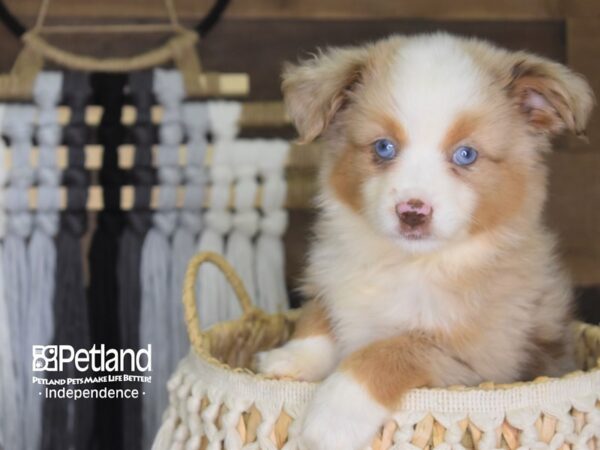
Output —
(254, 114)
(300, 157)
(299, 197)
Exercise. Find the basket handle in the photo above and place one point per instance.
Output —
(189, 293)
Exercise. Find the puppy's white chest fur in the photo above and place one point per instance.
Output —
(373, 291)
(371, 303)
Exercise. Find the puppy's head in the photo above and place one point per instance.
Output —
(432, 139)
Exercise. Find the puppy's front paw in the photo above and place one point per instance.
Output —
(309, 359)
(278, 363)
(341, 416)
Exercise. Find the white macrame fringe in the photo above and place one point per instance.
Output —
(217, 220)
(18, 126)
(157, 309)
(9, 420)
(42, 248)
(240, 246)
(195, 119)
(270, 255)
(212, 287)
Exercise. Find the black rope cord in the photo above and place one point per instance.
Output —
(11, 22)
(68, 423)
(212, 18)
(139, 221)
(103, 289)
(203, 28)
(103, 293)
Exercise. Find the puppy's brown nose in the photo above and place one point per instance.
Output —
(414, 213)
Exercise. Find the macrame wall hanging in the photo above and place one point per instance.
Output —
(103, 293)
(155, 326)
(270, 258)
(10, 423)
(189, 225)
(42, 248)
(18, 127)
(68, 423)
(115, 173)
(139, 221)
(244, 156)
(223, 119)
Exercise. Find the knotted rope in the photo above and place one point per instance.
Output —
(68, 423)
(139, 221)
(195, 119)
(240, 247)
(103, 290)
(156, 266)
(223, 118)
(18, 126)
(42, 248)
(270, 253)
(10, 431)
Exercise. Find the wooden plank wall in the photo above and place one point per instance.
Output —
(256, 36)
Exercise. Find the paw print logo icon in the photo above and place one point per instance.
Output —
(44, 358)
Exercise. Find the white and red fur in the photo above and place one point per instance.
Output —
(482, 296)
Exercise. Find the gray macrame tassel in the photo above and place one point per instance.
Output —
(270, 255)
(42, 248)
(154, 324)
(240, 247)
(195, 119)
(156, 310)
(18, 126)
(139, 221)
(214, 304)
(10, 431)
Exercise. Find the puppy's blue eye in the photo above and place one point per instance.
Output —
(385, 148)
(464, 156)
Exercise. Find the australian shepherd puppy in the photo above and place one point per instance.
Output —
(431, 264)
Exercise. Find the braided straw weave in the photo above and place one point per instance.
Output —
(216, 402)
(176, 45)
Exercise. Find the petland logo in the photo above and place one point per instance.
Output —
(53, 358)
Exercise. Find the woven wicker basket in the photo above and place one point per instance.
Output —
(217, 402)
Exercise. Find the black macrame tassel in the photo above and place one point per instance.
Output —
(139, 221)
(68, 423)
(103, 289)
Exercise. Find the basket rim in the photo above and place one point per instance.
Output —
(219, 383)
(580, 328)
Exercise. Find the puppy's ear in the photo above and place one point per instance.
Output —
(316, 89)
(552, 97)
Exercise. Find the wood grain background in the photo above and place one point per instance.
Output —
(256, 36)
